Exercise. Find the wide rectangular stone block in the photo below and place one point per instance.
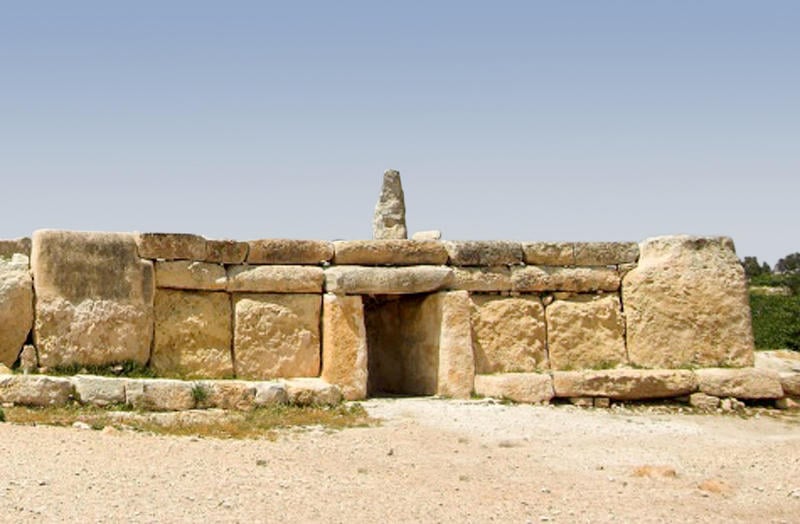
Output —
(487, 279)
(483, 252)
(94, 298)
(456, 374)
(530, 388)
(99, 391)
(226, 394)
(226, 251)
(359, 280)
(573, 279)
(192, 275)
(159, 394)
(743, 383)
(625, 384)
(171, 246)
(20, 246)
(276, 335)
(35, 390)
(389, 252)
(288, 251)
(549, 253)
(605, 253)
(192, 334)
(270, 393)
(312, 392)
(344, 345)
(275, 279)
(16, 306)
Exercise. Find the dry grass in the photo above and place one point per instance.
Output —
(259, 423)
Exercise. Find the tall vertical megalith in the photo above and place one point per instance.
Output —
(390, 211)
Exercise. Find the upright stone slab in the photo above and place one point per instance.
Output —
(94, 298)
(390, 211)
(16, 306)
(456, 359)
(686, 304)
(344, 345)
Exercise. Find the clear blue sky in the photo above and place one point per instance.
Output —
(595, 120)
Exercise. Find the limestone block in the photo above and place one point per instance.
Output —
(605, 253)
(94, 298)
(586, 332)
(344, 345)
(389, 220)
(790, 382)
(21, 246)
(532, 388)
(270, 393)
(484, 253)
(786, 363)
(5, 370)
(159, 394)
(16, 306)
(359, 280)
(509, 334)
(188, 274)
(312, 392)
(287, 251)
(275, 279)
(625, 384)
(276, 336)
(192, 334)
(389, 252)
(227, 394)
(486, 279)
(456, 359)
(549, 253)
(433, 234)
(35, 390)
(686, 304)
(743, 383)
(99, 391)
(171, 246)
(226, 251)
(702, 401)
(28, 359)
(574, 279)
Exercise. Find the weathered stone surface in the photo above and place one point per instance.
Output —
(389, 252)
(390, 211)
(99, 391)
(188, 274)
(483, 252)
(344, 345)
(700, 400)
(787, 403)
(288, 251)
(456, 360)
(586, 332)
(16, 306)
(743, 383)
(359, 280)
(482, 278)
(433, 234)
(784, 362)
(159, 394)
(226, 394)
(171, 246)
(94, 298)
(573, 279)
(312, 392)
(686, 304)
(625, 384)
(508, 334)
(20, 246)
(270, 393)
(192, 334)
(5, 370)
(28, 359)
(605, 253)
(226, 251)
(533, 388)
(275, 279)
(549, 253)
(276, 336)
(35, 390)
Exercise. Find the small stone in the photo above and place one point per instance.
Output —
(433, 234)
(702, 401)
(77, 425)
(602, 402)
(28, 360)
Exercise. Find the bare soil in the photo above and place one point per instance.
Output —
(429, 461)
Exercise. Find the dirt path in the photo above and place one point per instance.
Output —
(431, 461)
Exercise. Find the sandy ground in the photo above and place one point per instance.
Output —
(429, 461)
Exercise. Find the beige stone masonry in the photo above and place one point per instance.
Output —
(227, 394)
(171, 246)
(625, 384)
(389, 252)
(275, 279)
(35, 390)
(577, 280)
(484, 252)
(344, 345)
(360, 280)
(276, 335)
(159, 394)
(99, 391)
(226, 251)
(312, 392)
(744, 383)
(486, 279)
(16, 306)
(191, 275)
(549, 253)
(605, 253)
(532, 388)
(288, 251)
(10, 247)
(586, 332)
(456, 360)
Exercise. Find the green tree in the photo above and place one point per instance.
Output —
(788, 264)
(752, 268)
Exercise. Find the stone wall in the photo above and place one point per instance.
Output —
(524, 320)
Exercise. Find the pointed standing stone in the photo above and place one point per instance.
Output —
(390, 211)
